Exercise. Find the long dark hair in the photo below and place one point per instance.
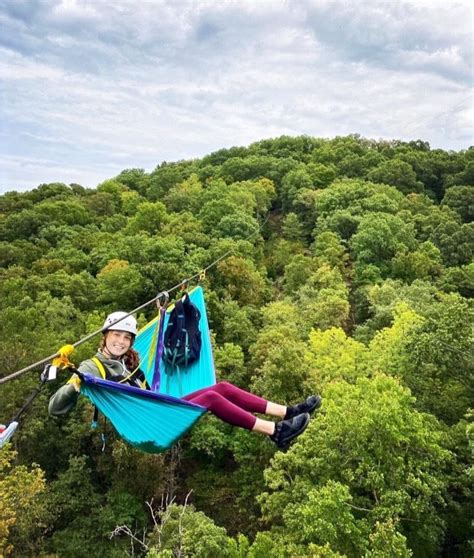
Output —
(131, 358)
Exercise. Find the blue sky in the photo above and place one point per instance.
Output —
(91, 87)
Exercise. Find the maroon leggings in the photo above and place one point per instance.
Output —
(229, 403)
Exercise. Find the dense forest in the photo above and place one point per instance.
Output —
(349, 274)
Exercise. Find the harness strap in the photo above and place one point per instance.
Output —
(100, 367)
(95, 418)
(29, 401)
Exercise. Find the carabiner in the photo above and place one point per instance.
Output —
(165, 295)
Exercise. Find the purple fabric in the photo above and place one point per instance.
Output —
(89, 379)
(155, 385)
(229, 403)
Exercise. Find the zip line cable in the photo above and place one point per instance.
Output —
(135, 310)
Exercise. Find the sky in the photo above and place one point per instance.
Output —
(89, 88)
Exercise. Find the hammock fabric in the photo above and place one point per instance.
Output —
(150, 421)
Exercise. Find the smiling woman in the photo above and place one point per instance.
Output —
(115, 360)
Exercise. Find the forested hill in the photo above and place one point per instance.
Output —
(357, 286)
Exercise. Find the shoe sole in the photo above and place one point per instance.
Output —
(316, 404)
(314, 407)
(285, 444)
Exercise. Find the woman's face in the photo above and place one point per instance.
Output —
(117, 343)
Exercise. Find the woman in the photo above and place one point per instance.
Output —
(117, 361)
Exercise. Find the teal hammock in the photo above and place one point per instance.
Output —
(154, 421)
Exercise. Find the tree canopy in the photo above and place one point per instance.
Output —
(348, 273)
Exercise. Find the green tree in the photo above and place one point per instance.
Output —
(322, 175)
(242, 280)
(277, 545)
(357, 197)
(328, 247)
(370, 458)
(239, 225)
(379, 237)
(102, 204)
(298, 271)
(120, 284)
(22, 225)
(164, 177)
(355, 166)
(19, 252)
(186, 532)
(229, 361)
(466, 175)
(331, 355)
(264, 192)
(461, 199)
(324, 300)
(189, 228)
(214, 210)
(130, 201)
(22, 513)
(441, 372)
(460, 279)
(456, 242)
(135, 179)
(424, 263)
(292, 228)
(185, 196)
(51, 191)
(295, 181)
(281, 375)
(236, 325)
(64, 212)
(149, 217)
(396, 173)
(83, 518)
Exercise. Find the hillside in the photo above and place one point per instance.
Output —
(349, 274)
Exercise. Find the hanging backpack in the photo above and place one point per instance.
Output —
(182, 339)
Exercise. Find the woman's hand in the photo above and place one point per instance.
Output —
(75, 381)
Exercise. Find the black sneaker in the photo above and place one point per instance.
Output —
(287, 430)
(312, 403)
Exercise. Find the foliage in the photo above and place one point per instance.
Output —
(344, 268)
(184, 531)
(22, 513)
(369, 458)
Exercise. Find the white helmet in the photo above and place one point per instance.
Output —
(126, 324)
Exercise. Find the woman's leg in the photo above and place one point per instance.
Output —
(235, 406)
(276, 410)
(243, 399)
(264, 427)
(223, 408)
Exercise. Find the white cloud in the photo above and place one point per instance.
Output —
(89, 88)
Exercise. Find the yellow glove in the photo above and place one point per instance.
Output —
(76, 382)
(62, 360)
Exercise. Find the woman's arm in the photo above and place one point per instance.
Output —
(66, 396)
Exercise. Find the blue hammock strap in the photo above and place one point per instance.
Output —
(155, 385)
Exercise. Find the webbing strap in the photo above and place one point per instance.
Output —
(95, 418)
(155, 384)
(29, 401)
(100, 366)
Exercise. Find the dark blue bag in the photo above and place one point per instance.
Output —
(182, 339)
